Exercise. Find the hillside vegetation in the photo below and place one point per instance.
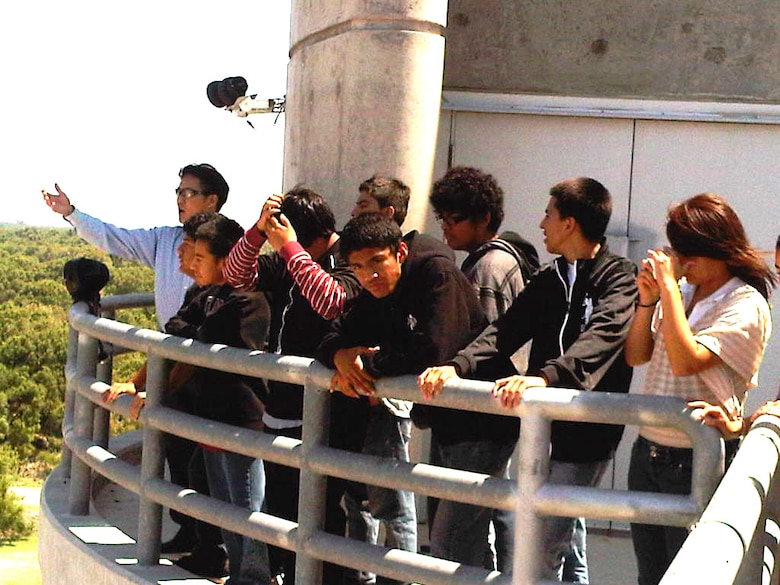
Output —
(33, 339)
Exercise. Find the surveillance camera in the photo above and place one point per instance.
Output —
(224, 93)
(246, 105)
(230, 94)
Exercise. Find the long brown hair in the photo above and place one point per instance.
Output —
(705, 225)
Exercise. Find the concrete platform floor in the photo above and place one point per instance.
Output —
(610, 555)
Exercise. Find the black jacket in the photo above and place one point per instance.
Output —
(220, 314)
(577, 341)
(431, 314)
(296, 328)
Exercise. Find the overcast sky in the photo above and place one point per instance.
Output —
(109, 100)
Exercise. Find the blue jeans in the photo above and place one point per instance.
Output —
(460, 531)
(240, 480)
(575, 562)
(558, 531)
(504, 528)
(387, 436)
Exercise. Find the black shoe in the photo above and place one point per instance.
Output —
(212, 565)
(183, 542)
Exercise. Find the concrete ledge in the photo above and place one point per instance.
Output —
(91, 549)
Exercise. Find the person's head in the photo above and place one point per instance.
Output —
(186, 250)
(201, 188)
(373, 246)
(85, 278)
(214, 239)
(469, 206)
(705, 226)
(578, 207)
(309, 214)
(384, 195)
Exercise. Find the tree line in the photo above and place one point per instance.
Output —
(33, 342)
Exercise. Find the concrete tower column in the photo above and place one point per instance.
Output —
(363, 97)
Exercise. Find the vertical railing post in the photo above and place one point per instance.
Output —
(532, 472)
(152, 467)
(71, 372)
(102, 423)
(80, 472)
(311, 499)
(102, 429)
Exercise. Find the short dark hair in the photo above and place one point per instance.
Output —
(388, 191)
(211, 181)
(309, 214)
(470, 193)
(221, 233)
(777, 244)
(195, 221)
(587, 201)
(369, 230)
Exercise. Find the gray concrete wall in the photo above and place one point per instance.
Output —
(363, 96)
(724, 50)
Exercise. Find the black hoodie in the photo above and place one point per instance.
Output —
(296, 328)
(220, 314)
(430, 315)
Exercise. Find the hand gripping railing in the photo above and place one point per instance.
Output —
(530, 496)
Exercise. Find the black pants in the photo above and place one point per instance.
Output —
(282, 487)
(349, 418)
(187, 469)
(667, 470)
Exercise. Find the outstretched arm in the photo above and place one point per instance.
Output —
(134, 244)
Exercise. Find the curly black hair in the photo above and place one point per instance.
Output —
(471, 194)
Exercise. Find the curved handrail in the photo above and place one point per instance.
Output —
(539, 405)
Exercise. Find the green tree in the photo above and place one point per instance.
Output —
(34, 333)
(13, 523)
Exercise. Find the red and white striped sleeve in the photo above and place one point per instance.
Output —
(325, 294)
(240, 268)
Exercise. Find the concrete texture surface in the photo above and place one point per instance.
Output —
(669, 49)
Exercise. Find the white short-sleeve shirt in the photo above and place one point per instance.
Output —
(734, 323)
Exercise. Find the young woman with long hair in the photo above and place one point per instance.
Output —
(704, 338)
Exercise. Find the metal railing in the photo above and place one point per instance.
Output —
(529, 495)
(736, 539)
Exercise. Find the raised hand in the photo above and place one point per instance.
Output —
(57, 202)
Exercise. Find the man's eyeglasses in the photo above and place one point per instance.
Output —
(450, 220)
(187, 193)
